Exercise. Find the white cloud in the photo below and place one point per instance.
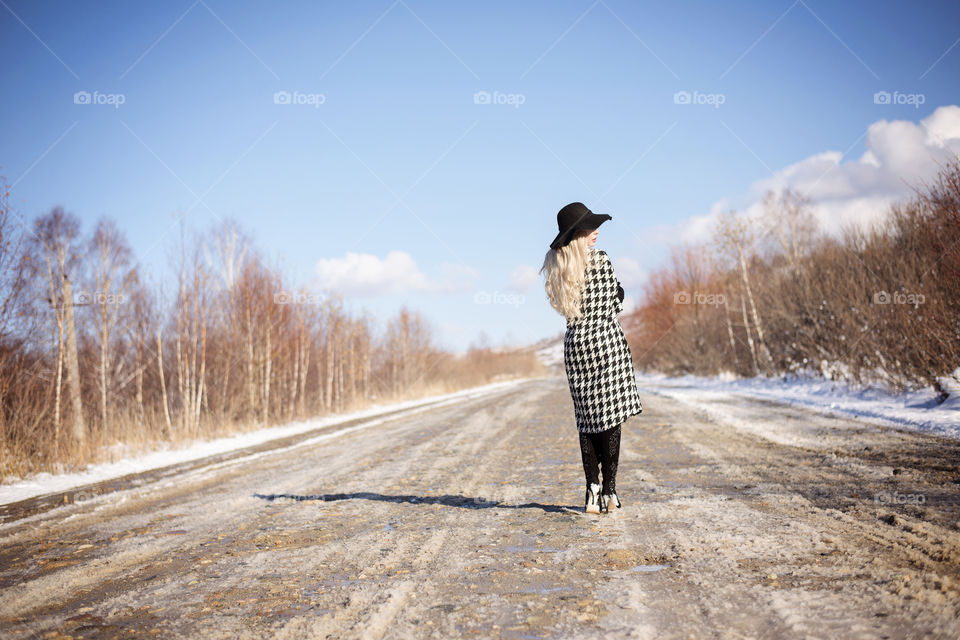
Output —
(457, 278)
(942, 125)
(364, 274)
(899, 154)
(629, 272)
(523, 277)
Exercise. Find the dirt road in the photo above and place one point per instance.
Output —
(466, 521)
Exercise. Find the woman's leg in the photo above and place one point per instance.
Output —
(591, 469)
(588, 453)
(608, 449)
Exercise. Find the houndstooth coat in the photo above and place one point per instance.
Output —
(596, 354)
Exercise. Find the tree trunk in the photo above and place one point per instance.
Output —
(59, 383)
(328, 398)
(141, 365)
(251, 364)
(73, 367)
(266, 380)
(104, 356)
(761, 343)
(163, 387)
(746, 327)
(203, 368)
(304, 369)
(733, 344)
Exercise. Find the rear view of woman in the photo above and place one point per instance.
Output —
(582, 287)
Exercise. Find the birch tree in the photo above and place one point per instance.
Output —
(736, 241)
(54, 241)
(113, 281)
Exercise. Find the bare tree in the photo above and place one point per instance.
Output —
(789, 219)
(13, 332)
(735, 240)
(230, 344)
(113, 280)
(55, 241)
(228, 251)
(191, 335)
(13, 273)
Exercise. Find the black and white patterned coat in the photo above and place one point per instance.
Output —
(596, 355)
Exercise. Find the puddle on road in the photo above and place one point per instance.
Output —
(650, 568)
(527, 548)
(541, 590)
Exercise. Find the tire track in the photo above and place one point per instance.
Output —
(723, 535)
(471, 444)
(336, 468)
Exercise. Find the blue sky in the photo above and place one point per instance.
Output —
(388, 177)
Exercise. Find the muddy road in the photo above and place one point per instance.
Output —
(466, 520)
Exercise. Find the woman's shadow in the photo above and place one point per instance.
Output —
(448, 500)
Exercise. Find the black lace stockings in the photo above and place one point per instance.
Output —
(604, 445)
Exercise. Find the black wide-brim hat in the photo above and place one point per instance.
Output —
(572, 218)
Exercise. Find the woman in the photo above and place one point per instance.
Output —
(582, 287)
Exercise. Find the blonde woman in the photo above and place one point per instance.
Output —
(582, 287)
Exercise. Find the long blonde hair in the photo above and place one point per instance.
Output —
(564, 271)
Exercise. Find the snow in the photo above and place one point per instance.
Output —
(16, 489)
(915, 410)
(552, 354)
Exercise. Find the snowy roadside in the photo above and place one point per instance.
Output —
(14, 489)
(914, 410)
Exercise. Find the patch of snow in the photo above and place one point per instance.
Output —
(551, 355)
(916, 410)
